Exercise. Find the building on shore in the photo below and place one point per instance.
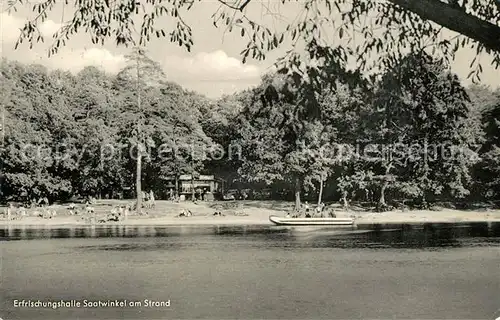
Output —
(204, 187)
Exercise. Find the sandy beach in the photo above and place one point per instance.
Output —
(244, 213)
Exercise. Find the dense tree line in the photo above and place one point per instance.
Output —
(414, 132)
(76, 134)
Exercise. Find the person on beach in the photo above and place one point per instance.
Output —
(89, 209)
(90, 200)
(306, 207)
(114, 215)
(185, 213)
(126, 211)
(44, 214)
(152, 198)
(43, 201)
(22, 211)
(9, 210)
(319, 209)
(243, 195)
(114, 211)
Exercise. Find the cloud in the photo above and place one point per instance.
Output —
(76, 60)
(10, 25)
(48, 28)
(211, 66)
(212, 74)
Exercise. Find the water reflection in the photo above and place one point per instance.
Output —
(380, 236)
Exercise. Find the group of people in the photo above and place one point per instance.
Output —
(34, 203)
(118, 213)
(308, 213)
(199, 195)
(16, 213)
(148, 199)
(11, 214)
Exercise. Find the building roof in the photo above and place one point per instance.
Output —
(187, 177)
(200, 177)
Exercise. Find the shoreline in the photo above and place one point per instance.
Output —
(366, 221)
(250, 213)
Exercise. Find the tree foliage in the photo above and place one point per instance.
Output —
(387, 29)
(75, 134)
(425, 110)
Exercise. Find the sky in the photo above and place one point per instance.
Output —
(213, 67)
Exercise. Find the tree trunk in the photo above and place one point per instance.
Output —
(192, 187)
(138, 187)
(381, 201)
(298, 187)
(344, 199)
(455, 19)
(424, 202)
(176, 187)
(320, 195)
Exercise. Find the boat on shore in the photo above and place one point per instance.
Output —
(283, 221)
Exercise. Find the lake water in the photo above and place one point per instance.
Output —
(253, 272)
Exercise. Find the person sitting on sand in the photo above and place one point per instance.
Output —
(185, 213)
(89, 209)
(332, 214)
(113, 217)
(45, 214)
(288, 215)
